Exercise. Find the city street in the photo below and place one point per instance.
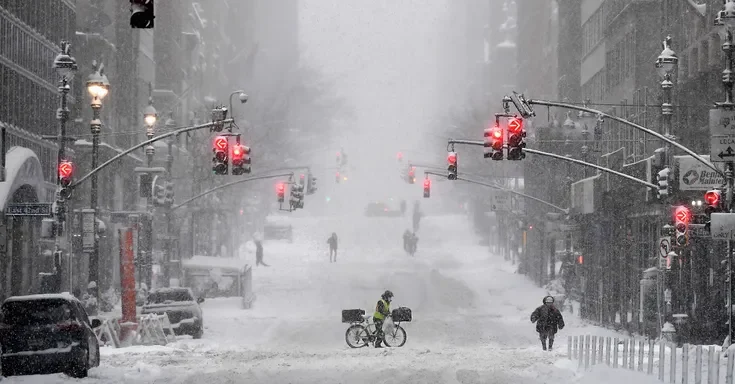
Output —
(470, 317)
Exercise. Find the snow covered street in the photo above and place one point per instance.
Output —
(470, 317)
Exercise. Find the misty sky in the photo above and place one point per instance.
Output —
(384, 55)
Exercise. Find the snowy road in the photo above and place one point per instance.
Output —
(470, 317)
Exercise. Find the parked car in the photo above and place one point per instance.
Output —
(381, 209)
(47, 333)
(183, 311)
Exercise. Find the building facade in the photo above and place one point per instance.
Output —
(30, 33)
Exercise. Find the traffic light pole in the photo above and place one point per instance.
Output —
(565, 158)
(147, 142)
(215, 189)
(630, 124)
(494, 186)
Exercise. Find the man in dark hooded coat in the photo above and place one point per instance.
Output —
(548, 321)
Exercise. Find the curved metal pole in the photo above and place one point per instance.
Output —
(233, 94)
(494, 186)
(137, 146)
(215, 189)
(580, 162)
(630, 124)
(586, 164)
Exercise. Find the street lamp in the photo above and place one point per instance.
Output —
(168, 254)
(65, 65)
(150, 116)
(98, 87)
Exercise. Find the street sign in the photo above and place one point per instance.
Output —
(698, 231)
(88, 230)
(664, 246)
(500, 200)
(29, 209)
(722, 226)
(722, 133)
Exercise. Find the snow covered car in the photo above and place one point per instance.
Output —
(183, 312)
(47, 333)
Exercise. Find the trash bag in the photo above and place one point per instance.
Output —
(388, 326)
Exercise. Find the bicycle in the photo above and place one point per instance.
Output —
(359, 335)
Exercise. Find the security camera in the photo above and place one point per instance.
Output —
(243, 98)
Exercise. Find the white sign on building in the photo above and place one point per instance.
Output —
(695, 176)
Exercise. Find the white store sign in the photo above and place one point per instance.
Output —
(695, 176)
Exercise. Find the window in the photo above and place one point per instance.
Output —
(592, 31)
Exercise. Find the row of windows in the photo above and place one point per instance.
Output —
(54, 19)
(26, 104)
(20, 47)
(593, 30)
(594, 87)
(620, 60)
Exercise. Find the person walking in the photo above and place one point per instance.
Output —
(259, 254)
(548, 321)
(332, 241)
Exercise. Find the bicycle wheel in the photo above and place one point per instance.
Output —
(397, 338)
(356, 336)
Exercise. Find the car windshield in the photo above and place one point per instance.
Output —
(160, 297)
(35, 312)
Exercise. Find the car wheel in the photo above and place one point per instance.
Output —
(80, 369)
(199, 332)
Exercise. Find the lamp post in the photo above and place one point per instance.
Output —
(726, 21)
(665, 64)
(98, 86)
(65, 66)
(587, 120)
(170, 125)
(150, 117)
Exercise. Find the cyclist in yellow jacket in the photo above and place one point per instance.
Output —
(382, 309)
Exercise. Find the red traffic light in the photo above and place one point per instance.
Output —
(220, 143)
(337, 174)
(302, 176)
(238, 152)
(712, 198)
(515, 125)
(427, 183)
(580, 259)
(66, 169)
(399, 156)
(682, 214)
(281, 188)
(452, 158)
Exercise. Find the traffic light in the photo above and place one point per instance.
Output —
(682, 216)
(66, 171)
(399, 156)
(281, 192)
(452, 160)
(240, 159)
(339, 158)
(168, 193)
(302, 179)
(713, 199)
(141, 14)
(516, 133)
(336, 177)
(663, 183)
(311, 185)
(220, 161)
(411, 175)
(427, 188)
(493, 143)
(159, 195)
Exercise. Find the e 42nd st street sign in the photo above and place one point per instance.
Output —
(722, 132)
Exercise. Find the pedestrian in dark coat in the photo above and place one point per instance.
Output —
(259, 254)
(332, 241)
(548, 321)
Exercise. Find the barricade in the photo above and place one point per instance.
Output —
(650, 356)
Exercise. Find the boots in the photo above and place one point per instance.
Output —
(551, 344)
(543, 343)
(378, 343)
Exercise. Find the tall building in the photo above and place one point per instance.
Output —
(30, 33)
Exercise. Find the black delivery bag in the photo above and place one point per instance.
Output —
(402, 314)
(352, 315)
